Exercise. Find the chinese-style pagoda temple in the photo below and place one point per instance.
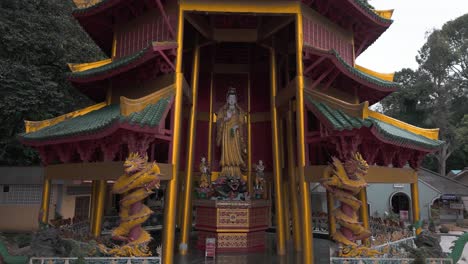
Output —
(171, 64)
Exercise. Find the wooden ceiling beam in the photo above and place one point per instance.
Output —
(273, 26)
(200, 24)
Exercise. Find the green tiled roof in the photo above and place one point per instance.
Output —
(401, 137)
(338, 119)
(369, 9)
(99, 120)
(342, 121)
(111, 66)
(364, 75)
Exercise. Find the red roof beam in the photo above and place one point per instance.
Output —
(167, 59)
(362, 46)
(166, 18)
(331, 80)
(315, 64)
(321, 77)
(132, 9)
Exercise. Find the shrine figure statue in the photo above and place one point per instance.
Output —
(205, 178)
(260, 176)
(230, 136)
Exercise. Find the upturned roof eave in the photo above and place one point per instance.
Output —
(365, 80)
(112, 121)
(121, 65)
(340, 121)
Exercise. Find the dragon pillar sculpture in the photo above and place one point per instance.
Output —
(344, 182)
(136, 184)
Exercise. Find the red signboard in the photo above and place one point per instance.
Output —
(210, 247)
(404, 215)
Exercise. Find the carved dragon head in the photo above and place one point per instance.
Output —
(356, 166)
(135, 163)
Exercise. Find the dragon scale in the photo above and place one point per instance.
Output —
(344, 183)
(135, 185)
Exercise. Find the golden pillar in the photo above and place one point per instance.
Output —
(415, 202)
(45, 200)
(285, 185)
(250, 179)
(364, 210)
(211, 119)
(300, 131)
(187, 210)
(280, 222)
(94, 192)
(168, 236)
(287, 207)
(296, 220)
(114, 45)
(99, 207)
(331, 217)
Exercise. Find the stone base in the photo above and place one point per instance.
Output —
(234, 242)
(238, 226)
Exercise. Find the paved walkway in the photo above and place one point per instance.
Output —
(321, 254)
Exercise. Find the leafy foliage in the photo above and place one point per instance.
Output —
(435, 94)
(37, 39)
(462, 134)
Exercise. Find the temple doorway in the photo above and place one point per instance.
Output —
(82, 207)
(400, 202)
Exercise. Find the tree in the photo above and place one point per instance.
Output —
(410, 102)
(37, 39)
(435, 95)
(462, 134)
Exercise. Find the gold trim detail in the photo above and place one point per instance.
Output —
(232, 217)
(382, 76)
(80, 67)
(129, 106)
(33, 126)
(362, 111)
(242, 6)
(85, 3)
(356, 110)
(387, 14)
(429, 133)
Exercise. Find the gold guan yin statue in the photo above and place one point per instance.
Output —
(230, 137)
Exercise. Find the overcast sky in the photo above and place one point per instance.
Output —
(399, 45)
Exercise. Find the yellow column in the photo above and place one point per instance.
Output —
(45, 200)
(364, 210)
(99, 207)
(300, 120)
(250, 179)
(280, 223)
(285, 185)
(210, 125)
(168, 236)
(292, 182)
(93, 205)
(114, 45)
(415, 202)
(331, 215)
(287, 215)
(187, 211)
(180, 203)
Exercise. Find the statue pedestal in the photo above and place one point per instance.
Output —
(238, 226)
